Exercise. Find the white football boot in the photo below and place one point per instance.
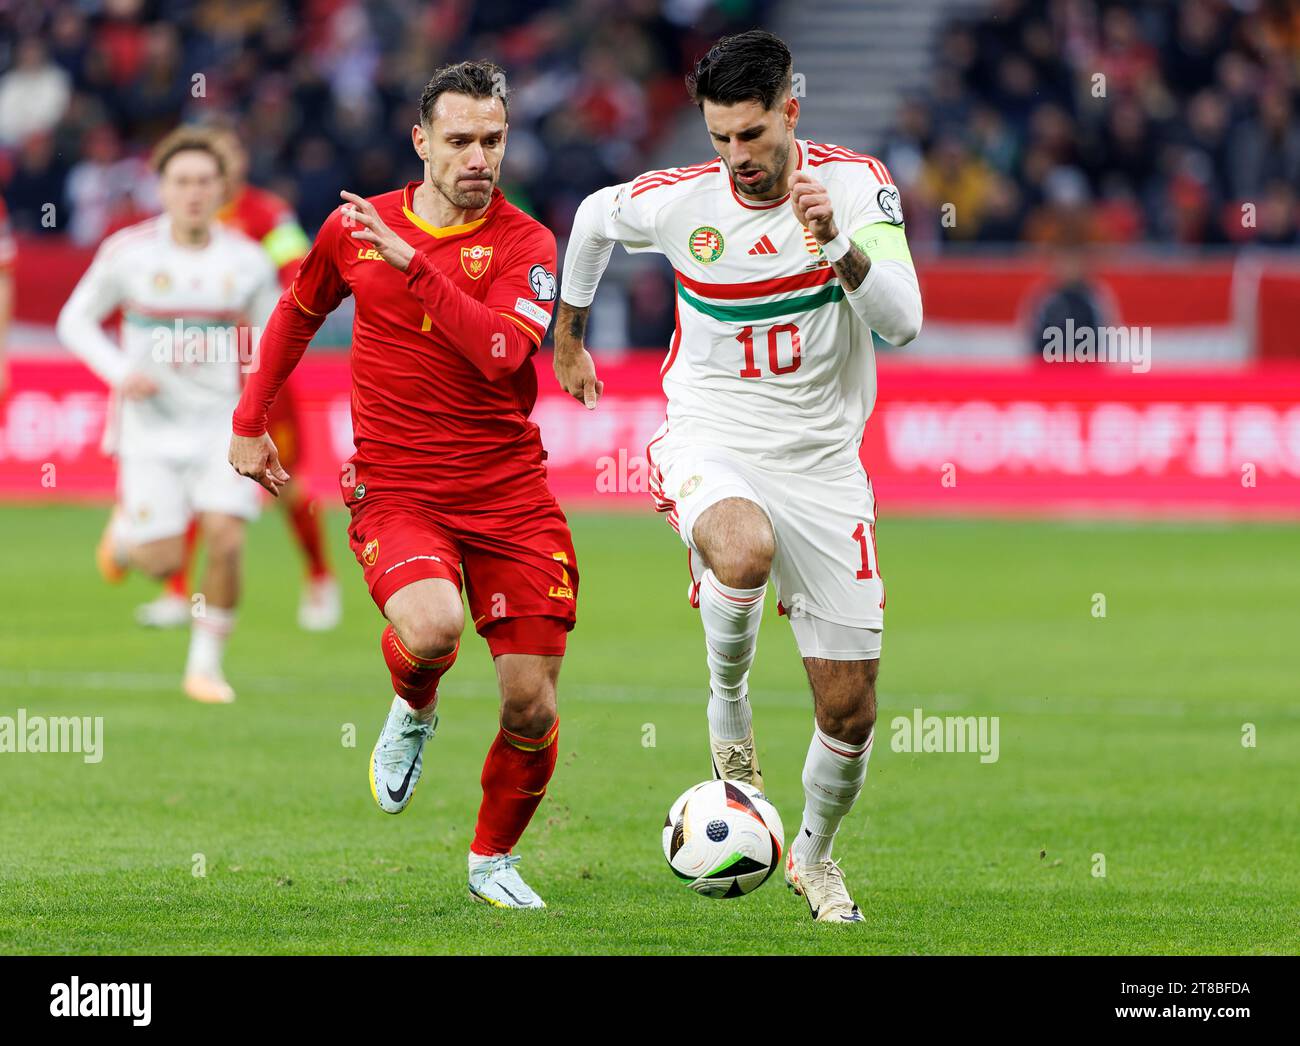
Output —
(208, 688)
(320, 607)
(735, 760)
(167, 611)
(822, 886)
(494, 881)
(398, 756)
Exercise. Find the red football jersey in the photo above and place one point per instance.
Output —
(8, 249)
(440, 403)
(265, 217)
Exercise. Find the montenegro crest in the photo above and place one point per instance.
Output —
(370, 553)
(474, 260)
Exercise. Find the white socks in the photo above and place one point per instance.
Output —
(833, 775)
(208, 636)
(731, 618)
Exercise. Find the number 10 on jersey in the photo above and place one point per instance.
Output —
(775, 349)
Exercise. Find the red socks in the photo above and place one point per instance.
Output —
(515, 776)
(306, 528)
(517, 768)
(178, 584)
(415, 679)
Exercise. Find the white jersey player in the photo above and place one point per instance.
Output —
(787, 254)
(192, 296)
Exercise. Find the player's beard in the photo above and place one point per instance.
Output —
(467, 199)
(768, 183)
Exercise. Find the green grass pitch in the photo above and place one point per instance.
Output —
(1119, 735)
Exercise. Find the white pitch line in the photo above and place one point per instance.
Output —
(891, 703)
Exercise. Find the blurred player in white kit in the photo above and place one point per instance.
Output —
(193, 296)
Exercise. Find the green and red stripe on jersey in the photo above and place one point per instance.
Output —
(739, 302)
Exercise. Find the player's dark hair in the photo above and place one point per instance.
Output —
(481, 79)
(186, 139)
(753, 66)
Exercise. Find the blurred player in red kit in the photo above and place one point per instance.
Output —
(8, 253)
(454, 288)
(267, 219)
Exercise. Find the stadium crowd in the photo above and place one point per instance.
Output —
(1074, 121)
(1047, 121)
(324, 93)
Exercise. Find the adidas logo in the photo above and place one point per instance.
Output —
(763, 246)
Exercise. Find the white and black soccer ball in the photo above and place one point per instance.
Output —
(723, 838)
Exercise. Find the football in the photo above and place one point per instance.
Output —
(723, 838)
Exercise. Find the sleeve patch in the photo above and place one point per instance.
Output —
(891, 204)
(533, 312)
(542, 281)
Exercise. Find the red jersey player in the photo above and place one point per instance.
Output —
(266, 218)
(8, 252)
(454, 288)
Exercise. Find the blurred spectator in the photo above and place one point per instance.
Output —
(958, 184)
(325, 92)
(1003, 211)
(1277, 216)
(1109, 122)
(1176, 116)
(34, 192)
(106, 191)
(1071, 304)
(33, 94)
(1266, 148)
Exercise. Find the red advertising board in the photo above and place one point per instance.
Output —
(1042, 439)
(1251, 296)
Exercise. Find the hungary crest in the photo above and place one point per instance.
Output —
(474, 260)
(706, 244)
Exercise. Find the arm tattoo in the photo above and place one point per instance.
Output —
(575, 316)
(852, 269)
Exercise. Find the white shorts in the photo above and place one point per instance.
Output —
(825, 565)
(159, 496)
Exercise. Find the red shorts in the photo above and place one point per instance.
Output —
(518, 564)
(282, 425)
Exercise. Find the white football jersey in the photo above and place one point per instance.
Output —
(768, 359)
(191, 317)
